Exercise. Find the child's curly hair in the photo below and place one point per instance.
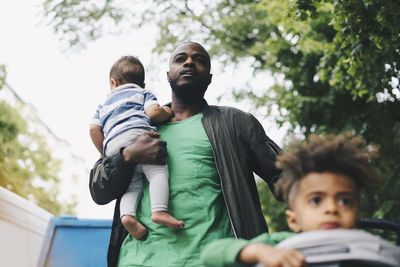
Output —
(347, 155)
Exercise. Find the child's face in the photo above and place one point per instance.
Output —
(324, 201)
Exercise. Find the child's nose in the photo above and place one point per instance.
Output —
(330, 206)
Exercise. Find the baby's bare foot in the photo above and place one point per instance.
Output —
(163, 217)
(134, 227)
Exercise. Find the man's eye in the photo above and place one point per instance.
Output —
(346, 201)
(179, 59)
(315, 200)
(201, 60)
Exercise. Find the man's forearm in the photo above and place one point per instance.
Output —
(110, 176)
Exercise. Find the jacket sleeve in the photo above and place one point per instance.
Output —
(263, 152)
(225, 252)
(109, 178)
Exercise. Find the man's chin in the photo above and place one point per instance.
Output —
(188, 91)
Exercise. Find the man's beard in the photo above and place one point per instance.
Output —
(190, 93)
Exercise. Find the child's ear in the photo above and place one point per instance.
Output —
(292, 221)
(114, 83)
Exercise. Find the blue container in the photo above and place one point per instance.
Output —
(75, 242)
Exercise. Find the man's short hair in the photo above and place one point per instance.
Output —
(128, 69)
(346, 155)
(201, 47)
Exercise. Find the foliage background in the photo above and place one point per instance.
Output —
(26, 165)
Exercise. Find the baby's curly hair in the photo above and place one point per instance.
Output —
(340, 154)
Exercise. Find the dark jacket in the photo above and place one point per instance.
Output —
(240, 147)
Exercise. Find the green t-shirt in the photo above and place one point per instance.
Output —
(195, 197)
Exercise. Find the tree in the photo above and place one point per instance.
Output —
(335, 63)
(26, 165)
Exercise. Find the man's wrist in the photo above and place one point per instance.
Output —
(126, 156)
(118, 161)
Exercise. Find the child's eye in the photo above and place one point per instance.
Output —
(315, 200)
(345, 201)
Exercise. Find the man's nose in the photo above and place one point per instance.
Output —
(188, 61)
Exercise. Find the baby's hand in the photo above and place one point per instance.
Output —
(271, 256)
(169, 111)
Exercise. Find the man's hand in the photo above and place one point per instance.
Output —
(146, 150)
(271, 257)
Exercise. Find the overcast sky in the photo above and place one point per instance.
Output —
(64, 87)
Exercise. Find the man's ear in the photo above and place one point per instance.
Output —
(292, 221)
(144, 85)
(209, 79)
(168, 76)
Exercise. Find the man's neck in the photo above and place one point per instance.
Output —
(183, 110)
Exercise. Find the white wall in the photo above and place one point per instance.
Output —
(23, 228)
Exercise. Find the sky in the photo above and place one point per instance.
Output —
(66, 87)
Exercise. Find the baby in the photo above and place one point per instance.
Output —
(129, 111)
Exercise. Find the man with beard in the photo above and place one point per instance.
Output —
(212, 154)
